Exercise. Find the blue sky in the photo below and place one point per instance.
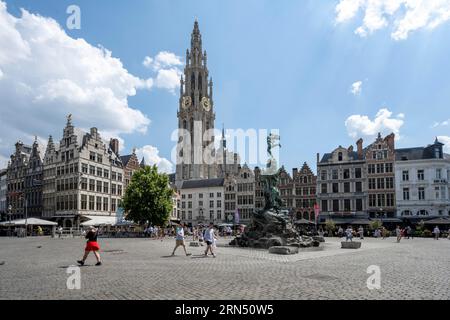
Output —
(287, 65)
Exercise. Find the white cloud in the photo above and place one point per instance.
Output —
(441, 124)
(356, 88)
(361, 125)
(446, 141)
(166, 66)
(151, 156)
(50, 74)
(404, 16)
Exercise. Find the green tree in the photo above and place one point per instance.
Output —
(375, 224)
(148, 197)
(330, 226)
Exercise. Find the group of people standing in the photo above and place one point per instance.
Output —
(206, 235)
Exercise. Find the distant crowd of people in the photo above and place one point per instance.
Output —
(406, 232)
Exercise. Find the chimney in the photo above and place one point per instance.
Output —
(359, 145)
(390, 139)
(114, 145)
(294, 172)
(318, 157)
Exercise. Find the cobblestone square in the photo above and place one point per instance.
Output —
(36, 268)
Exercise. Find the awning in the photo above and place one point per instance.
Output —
(99, 220)
(438, 221)
(303, 221)
(29, 221)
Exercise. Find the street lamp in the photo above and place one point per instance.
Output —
(10, 216)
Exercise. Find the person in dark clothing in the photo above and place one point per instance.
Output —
(91, 245)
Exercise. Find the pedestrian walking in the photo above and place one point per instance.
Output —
(200, 235)
(179, 240)
(361, 232)
(436, 232)
(409, 232)
(349, 234)
(209, 239)
(91, 245)
(340, 232)
(384, 233)
(398, 233)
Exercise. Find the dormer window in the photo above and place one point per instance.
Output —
(437, 153)
(340, 156)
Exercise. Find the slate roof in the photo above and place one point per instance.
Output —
(125, 159)
(203, 183)
(328, 156)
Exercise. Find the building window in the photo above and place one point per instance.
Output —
(99, 158)
(335, 187)
(438, 174)
(359, 206)
(83, 202)
(323, 175)
(405, 193)
(92, 170)
(91, 202)
(99, 172)
(371, 169)
(219, 194)
(358, 186)
(380, 183)
(335, 205)
(358, 173)
(99, 204)
(390, 183)
(105, 204)
(91, 185)
(324, 205)
(390, 202)
(105, 187)
(421, 193)
(381, 200)
(347, 205)
(389, 167)
(346, 173)
(200, 195)
(106, 173)
(99, 186)
(380, 168)
(420, 175)
(340, 156)
(372, 200)
(335, 175)
(113, 205)
(372, 183)
(347, 187)
(324, 188)
(219, 204)
(405, 175)
(92, 156)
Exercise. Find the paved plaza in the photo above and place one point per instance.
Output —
(35, 268)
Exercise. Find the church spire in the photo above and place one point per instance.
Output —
(196, 45)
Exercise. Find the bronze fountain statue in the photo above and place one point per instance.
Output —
(269, 227)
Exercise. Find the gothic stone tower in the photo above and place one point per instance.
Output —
(195, 115)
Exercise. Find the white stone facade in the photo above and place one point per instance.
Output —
(422, 188)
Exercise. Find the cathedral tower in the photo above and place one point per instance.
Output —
(195, 115)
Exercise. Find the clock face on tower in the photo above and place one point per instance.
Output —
(186, 102)
(206, 104)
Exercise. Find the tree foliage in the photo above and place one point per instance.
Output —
(148, 197)
(330, 226)
(375, 224)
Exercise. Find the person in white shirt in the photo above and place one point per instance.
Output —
(209, 239)
(179, 240)
(436, 232)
